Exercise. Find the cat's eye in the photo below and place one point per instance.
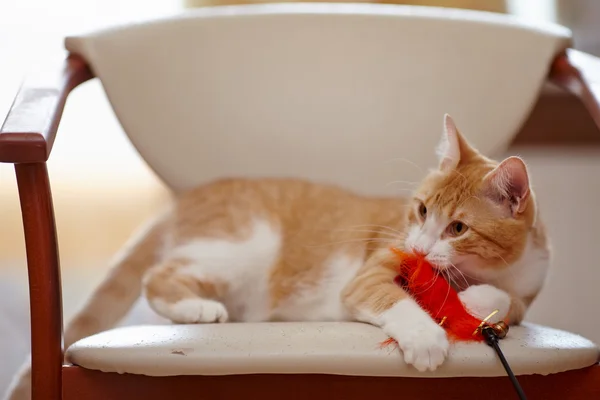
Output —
(457, 228)
(422, 211)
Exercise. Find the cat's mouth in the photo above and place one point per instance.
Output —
(440, 262)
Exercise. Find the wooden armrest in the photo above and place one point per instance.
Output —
(28, 131)
(579, 73)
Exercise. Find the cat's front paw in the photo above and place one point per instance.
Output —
(482, 300)
(192, 311)
(422, 341)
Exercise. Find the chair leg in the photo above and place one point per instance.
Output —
(44, 280)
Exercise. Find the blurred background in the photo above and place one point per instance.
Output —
(102, 195)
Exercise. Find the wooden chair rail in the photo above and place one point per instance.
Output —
(28, 132)
(579, 73)
(82, 384)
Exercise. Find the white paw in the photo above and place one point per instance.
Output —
(422, 341)
(482, 300)
(193, 311)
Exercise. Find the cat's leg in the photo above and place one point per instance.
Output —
(182, 297)
(482, 300)
(373, 297)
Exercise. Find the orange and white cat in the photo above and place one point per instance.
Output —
(291, 250)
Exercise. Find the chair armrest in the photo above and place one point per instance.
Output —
(28, 131)
(579, 73)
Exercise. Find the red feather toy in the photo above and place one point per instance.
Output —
(435, 295)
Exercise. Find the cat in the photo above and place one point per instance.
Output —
(291, 250)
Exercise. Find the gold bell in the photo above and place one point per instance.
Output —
(501, 329)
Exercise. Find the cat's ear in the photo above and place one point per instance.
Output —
(508, 184)
(453, 148)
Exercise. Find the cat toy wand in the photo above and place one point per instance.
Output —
(491, 338)
(441, 301)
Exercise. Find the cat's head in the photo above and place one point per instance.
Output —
(471, 212)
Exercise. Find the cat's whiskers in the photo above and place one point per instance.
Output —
(508, 269)
(403, 182)
(405, 190)
(363, 240)
(433, 280)
(389, 234)
(406, 160)
(464, 274)
(456, 270)
(445, 275)
(502, 258)
(377, 226)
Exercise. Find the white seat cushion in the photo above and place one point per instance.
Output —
(357, 89)
(301, 348)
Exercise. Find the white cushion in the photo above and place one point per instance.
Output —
(329, 92)
(314, 348)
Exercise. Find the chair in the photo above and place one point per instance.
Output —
(332, 90)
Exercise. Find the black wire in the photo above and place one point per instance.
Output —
(491, 338)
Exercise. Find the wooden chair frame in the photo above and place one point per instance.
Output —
(26, 140)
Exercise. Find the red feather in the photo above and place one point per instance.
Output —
(435, 295)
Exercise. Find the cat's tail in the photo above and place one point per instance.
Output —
(117, 293)
(110, 302)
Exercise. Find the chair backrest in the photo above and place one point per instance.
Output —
(338, 93)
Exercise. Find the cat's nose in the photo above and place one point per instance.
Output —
(423, 244)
